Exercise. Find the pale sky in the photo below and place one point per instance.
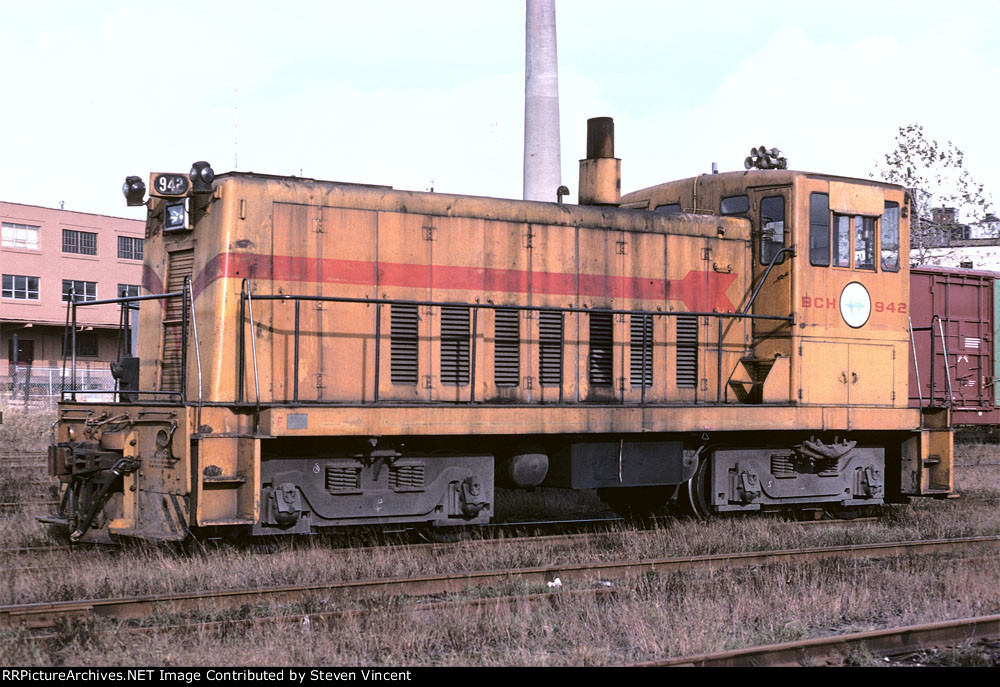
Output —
(403, 93)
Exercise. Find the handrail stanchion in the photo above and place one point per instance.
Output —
(242, 356)
(295, 396)
(947, 367)
(718, 374)
(378, 348)
(184, 339)
(197, 347)
(916, 367)
(253, 343)
(72, 343)
(472, 362)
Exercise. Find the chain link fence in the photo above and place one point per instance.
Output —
(41, 386)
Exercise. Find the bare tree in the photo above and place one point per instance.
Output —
(936, 178)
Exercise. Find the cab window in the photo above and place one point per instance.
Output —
(890, 237)
(864, 243)
(772, 228)
(819, 229)
(668, 209)
(735, 205)
(841, 241)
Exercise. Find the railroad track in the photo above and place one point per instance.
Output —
(834, 649)
(584, 576)
(555, 543)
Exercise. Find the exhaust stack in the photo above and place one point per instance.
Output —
(601, 172)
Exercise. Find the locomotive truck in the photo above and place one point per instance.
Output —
(318, 354)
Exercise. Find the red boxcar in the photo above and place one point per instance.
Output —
(954, 317)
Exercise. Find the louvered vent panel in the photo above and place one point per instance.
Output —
(641, 351)
(406, 478)
(343, 478)
(601, 351)
(550, 348)
(180, 265)
(404, 322)
(454, 345)
(687, 351)
(507, 348)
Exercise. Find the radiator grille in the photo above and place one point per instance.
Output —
(343, 478)
(601, 349)
(550, 348)
(642, 351)
(404, 322)
(507, 348)
(406, 478)
(179, 266)
(687, 351)
(454, 345)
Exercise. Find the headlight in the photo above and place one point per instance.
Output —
(201, 176)
(134, 190)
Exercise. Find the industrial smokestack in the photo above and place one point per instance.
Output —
(541, 103)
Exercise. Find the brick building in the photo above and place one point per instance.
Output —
(44, 255)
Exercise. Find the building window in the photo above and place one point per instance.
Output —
(20, 236)
(82, 242)
(86, 344)
(20, 287)
(129, 248)
(84, 290)
(127, 290)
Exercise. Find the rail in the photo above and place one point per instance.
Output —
(246, 308)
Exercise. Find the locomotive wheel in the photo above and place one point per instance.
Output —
(636, 502)
(693, 495)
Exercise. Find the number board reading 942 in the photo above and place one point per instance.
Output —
(170, 185)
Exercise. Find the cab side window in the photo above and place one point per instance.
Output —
(890, 237)
(864, 243)
(668, 209)
(841, 241)
(772, 228)
(735, 205)
(819, 229)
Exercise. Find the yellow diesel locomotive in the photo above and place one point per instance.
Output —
(317, 354)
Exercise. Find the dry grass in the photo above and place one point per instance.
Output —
(659, 616)
(25, 429)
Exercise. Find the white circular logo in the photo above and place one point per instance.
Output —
(855, 304)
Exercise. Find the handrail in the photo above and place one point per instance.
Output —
(197, 347)
(247, 298)
(760, 284)
(944, 350)
(916, 366)
(253, 341)
(69, 339)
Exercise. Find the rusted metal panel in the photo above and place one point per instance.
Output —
(962, 301)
